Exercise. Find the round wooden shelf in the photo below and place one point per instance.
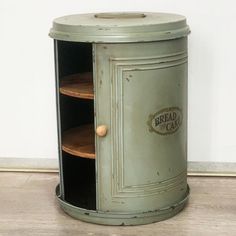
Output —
(79, 141)
(78, 85)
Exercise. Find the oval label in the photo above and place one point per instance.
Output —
(166, 121)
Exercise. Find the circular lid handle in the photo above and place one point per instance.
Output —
(120, 15)
(101, 130)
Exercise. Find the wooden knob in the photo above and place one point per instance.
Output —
(101, 130)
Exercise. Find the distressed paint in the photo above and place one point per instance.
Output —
(121, 218)
(148, 170)
(118, 29)
(139, 71)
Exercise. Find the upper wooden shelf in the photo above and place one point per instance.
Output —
(79, 141)
(78, 85)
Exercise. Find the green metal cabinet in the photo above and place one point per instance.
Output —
(138, 73)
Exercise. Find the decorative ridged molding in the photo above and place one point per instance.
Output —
(150, 189)
(149, 63)
(118, 66)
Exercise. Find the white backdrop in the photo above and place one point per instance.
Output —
(27, 101)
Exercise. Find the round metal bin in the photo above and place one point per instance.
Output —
(121, 85)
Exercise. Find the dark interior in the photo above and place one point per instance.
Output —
(75, 112)
(79, 181)
(74, 57)
(78, 173)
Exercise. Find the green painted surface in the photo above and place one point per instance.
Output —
(119, 27)
(120, 218)
(139, 170)
(140, 85)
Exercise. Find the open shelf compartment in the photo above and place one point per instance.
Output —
(79, 141)
(78, 85)
(76, 123)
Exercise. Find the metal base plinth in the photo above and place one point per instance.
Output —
(115, 218)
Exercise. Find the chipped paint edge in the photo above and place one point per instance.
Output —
(121, 218)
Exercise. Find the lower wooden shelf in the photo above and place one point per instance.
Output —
(79, 141)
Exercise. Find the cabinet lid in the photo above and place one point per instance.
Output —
(119, 27)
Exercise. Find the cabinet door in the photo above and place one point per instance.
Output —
(140, 95)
